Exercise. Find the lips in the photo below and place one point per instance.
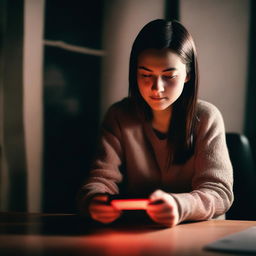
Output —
(158, 98)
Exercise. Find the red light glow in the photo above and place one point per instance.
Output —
(130, 204)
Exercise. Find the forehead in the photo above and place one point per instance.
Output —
(163, 58)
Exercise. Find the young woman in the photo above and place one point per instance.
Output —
(161, 141)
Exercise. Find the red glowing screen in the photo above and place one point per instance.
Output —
(130, 204)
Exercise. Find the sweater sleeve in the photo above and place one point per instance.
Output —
(212, 183)
(105, 174)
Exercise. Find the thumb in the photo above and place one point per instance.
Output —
(158, 195)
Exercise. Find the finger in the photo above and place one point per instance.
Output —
(105, 218)
(156, 219)
(164, 216)
(168, 224)
(164, 220)
(103, 209)
(159, 207)
(167, 221)
(155, 202)
(100, 198)
(161, 214)
(158, 197)
(94, 213)
(160, 211)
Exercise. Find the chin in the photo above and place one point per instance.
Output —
(159, 108)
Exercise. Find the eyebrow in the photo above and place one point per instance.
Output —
(165, 70)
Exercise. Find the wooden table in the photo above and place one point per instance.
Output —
(68, 234)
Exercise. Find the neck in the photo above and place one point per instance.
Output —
(161, 120)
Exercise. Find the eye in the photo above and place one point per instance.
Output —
(145, 75)
(169, 77)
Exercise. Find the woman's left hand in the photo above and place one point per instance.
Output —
(163, 209)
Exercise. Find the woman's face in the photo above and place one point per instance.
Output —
(161, 76)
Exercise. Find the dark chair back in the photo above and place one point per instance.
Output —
(244, 206)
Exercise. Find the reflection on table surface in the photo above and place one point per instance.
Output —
(133, 234)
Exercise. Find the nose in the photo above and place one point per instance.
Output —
(158, 85)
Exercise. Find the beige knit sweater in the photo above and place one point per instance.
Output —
(132, 159)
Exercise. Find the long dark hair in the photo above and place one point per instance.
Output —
(160, 34)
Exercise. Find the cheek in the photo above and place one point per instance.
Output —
(173, 84)
(144, 84)
(143, 80)
(142, 89)
(175, 87)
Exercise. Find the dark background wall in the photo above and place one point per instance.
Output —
(12, 147)
(71, 99)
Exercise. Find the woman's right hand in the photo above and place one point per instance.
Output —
(102, 211)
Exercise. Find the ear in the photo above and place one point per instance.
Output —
(187, 78)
